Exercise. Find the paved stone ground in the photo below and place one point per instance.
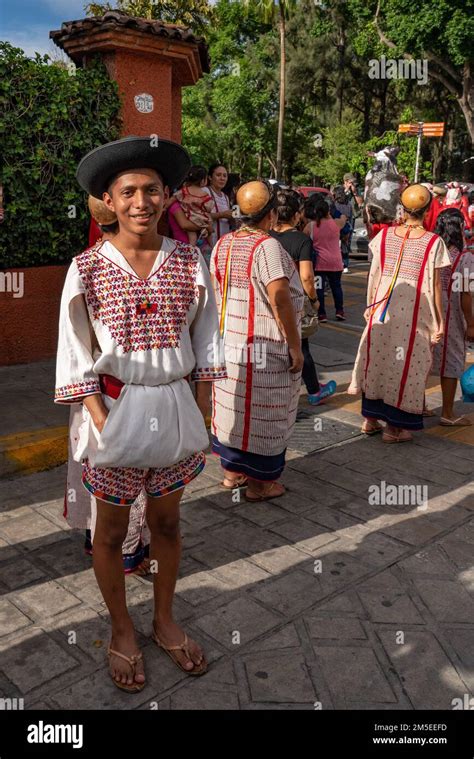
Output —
(320, 597)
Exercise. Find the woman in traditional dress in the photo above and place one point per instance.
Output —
(450, 353)
(137, 316)
(222, 215)
(404, 320)
(260, 300)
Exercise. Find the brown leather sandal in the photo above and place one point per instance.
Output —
(266, 495)
(371, 429)
(403, 437)
(199, 669)
(132, 661)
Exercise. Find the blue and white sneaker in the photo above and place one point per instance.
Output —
(324, 392)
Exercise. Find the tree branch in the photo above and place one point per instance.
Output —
(382, 36)
(455, 86)
(443, 65)
(440, 77)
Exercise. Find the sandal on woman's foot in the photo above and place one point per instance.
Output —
(369, 428)
(402, 437)
(132, 661)
(267, 494)
(429, 412)
(461, 421)
(198, 669)
(230, 484)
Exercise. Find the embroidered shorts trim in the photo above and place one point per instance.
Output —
(123, 485)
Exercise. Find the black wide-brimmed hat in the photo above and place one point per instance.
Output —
(98, 167)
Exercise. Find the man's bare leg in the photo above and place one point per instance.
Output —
(165, 549)
(110, 532)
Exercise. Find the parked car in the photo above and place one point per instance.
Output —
(360, 240)
(308, 191)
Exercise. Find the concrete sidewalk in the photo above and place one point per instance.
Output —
(323, 597)
(33, 430)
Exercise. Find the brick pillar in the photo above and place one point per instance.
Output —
(131, 71)
(150, 61)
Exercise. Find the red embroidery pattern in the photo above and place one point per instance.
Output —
(122, 485)
(239, 263)
(412, 256)
(143, 309)
(209, 373)
(71, 393)
(116, 298)
(447, 271)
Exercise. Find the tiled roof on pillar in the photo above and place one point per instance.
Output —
(72, 33)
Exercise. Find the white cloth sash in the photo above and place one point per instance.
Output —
(147, 427)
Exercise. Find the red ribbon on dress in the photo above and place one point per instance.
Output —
(110, 386)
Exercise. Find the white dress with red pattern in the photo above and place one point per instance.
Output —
(450, 354)
(149, 334)
(255, 407)
(395, 356)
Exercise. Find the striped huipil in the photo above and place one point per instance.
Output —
(395, 357)
(254, 409)
(450, 354)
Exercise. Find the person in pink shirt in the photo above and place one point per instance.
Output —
(324, 232)
(179, 224)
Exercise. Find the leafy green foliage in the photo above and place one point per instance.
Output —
(50, 118)
(194, 13)
(232, 114)
(343, 150)
(270, 10)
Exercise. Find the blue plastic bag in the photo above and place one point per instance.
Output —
(467, 385)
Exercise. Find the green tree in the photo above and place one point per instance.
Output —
(49, 120)
(194, 13)
(269, 10)
(344, 150)
(440, 32)
(230, 114)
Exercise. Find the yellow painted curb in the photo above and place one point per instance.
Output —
(33, 451)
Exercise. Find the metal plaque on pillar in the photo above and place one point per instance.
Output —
(144, 103)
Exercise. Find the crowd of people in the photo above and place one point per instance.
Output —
(226, 302)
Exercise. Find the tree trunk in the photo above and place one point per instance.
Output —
(466, 101)
(342, 48)
(367, 108)
(281, 115)
(259, 165)
(437, 159)
(383, 107)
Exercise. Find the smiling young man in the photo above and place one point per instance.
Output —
(137, 318)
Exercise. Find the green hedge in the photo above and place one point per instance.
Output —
(49, 118)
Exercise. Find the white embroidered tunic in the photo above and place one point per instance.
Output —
(150, 334)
